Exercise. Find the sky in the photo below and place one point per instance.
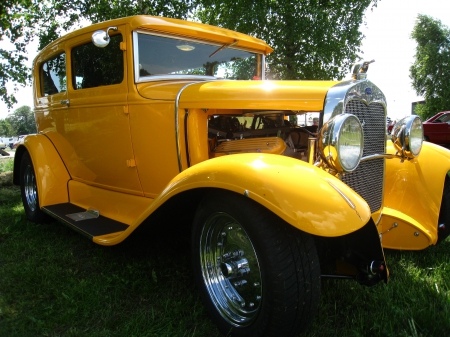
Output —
(387, 41)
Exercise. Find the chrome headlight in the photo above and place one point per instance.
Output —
(341, 142)
(407, 136)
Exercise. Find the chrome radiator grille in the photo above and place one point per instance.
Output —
(367, 180)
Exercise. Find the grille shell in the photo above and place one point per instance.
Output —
(367, 180)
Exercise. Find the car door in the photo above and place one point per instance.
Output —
(50, 92)
(440, 129)
(99, 128)
(447, 128)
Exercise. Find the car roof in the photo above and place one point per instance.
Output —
(177, 27)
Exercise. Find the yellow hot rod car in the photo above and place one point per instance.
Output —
(143, 115)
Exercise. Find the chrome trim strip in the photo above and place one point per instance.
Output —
(180, 37)
(347, 199)
(380, 155)
(379, 218)
(136, 56)
(263, 65)
(177, 126)
(175, 77)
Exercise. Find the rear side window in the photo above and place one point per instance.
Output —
(94, 67)
(53, 75)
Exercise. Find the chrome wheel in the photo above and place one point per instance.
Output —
(30, 189)
(230, 269)
(256, 274)
(29, 192)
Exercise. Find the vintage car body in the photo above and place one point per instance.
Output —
(125, 133)
(437, 128)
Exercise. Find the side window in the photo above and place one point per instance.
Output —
(94, 67)
(53, 75)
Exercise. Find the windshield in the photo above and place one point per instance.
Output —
(161, 56)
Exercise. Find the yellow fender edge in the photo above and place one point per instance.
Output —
(304, 196)
(51, 174)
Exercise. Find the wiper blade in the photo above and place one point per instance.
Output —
(223, 47)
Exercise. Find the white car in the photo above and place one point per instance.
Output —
(3, 143)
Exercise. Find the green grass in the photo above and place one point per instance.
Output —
(6, 164)
(55, 282)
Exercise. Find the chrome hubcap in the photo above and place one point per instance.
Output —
(30, 188)
(230, 269)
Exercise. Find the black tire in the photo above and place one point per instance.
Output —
(444, 214)
(257, 275)
(28, 191)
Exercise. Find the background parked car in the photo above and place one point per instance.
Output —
(437, 128)
(390, 126)
(3, 146)
(17, 141)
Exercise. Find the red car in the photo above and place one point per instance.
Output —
(437, 128)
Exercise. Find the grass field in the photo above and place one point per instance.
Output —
(55, 282)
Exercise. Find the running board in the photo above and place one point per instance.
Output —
(88, 227)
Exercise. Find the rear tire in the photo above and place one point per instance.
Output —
(28, 190)
(257, 275)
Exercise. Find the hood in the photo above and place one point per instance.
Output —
(272, 95)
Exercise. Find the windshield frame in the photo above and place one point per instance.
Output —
(161, 77)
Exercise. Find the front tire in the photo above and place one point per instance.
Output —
(28, 191)
(257, 275)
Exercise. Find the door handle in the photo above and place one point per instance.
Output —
(65, 102)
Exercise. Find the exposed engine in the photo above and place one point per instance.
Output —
(260, 132)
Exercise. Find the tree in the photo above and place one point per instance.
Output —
(15, 18)
(22, 121)
(6, 128)
(312, 39)
(430, 71)
(59, 16)
(22, 20)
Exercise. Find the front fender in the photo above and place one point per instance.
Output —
(412, 198)
(304, 196)
(51, 174)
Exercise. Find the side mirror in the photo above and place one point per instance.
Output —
(101, 38)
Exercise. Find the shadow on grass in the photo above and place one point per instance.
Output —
(415, 302)
(54, 282)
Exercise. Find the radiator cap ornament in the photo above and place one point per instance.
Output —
(360, 70)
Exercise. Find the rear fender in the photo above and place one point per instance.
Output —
(51, 174)
(306, 197)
